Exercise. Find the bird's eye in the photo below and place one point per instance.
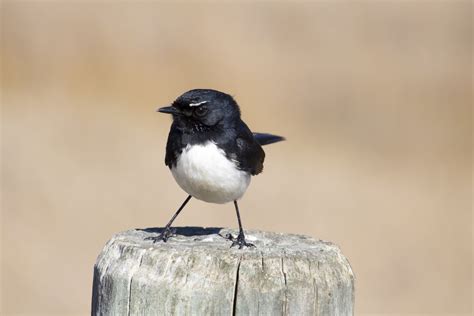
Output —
(200, 111)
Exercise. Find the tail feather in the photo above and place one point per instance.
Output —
(265, 139)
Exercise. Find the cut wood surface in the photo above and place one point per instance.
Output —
(197, 273)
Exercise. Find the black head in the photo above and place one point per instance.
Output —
(200, 109)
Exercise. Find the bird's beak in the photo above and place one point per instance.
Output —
(168, 110)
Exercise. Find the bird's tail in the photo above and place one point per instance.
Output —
(265, 139)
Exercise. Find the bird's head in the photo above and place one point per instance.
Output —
(199, 109)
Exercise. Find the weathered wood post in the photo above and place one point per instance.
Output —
(196, 273)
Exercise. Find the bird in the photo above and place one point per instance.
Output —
(212, 153)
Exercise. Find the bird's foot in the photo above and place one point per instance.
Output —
(164, 235)
(239, 241)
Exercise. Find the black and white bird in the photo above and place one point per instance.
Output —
(211, 152)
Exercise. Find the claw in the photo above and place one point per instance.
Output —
(239, 241)
(163, 236)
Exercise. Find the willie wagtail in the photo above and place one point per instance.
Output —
(211, 152)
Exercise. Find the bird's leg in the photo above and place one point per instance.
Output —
(167, 231)
(240, 240)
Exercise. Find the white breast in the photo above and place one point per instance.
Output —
(204, 172)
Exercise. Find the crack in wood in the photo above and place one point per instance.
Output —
(142, 254)
(285, 302)
(236, 287)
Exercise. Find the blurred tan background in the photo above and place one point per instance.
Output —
(373, 97)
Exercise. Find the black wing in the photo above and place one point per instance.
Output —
(249, 154)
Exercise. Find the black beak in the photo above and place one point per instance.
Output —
(168, 110)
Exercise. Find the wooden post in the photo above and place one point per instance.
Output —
(196, 273)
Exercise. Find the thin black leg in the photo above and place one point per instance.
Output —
(241, 231)
(240, 240)
(167, 231)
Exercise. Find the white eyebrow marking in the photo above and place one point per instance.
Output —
(197, 104)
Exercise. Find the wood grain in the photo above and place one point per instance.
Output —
(196, 273)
